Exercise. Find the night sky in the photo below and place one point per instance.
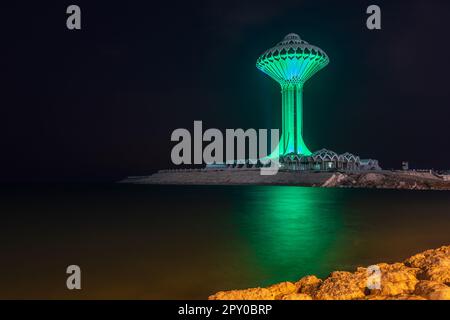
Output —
(101, 103)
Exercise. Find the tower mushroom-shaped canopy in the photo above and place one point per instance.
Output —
(291, 63)
(292, 60)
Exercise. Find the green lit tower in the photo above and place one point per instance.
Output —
(291, 63)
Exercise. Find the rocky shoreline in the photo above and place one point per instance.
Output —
(408, 180)
(424, 276)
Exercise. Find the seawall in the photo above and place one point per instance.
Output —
(409, 180)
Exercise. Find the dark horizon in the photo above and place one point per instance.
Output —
(100, 103)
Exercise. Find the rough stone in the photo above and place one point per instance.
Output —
(424, 276)
(342, 285)
(296, 296)
(308, 284)
(247, 294)
(434, 264)
(397, 279)
(433, 290)
(281, 289)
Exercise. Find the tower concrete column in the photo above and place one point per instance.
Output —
(291, 63)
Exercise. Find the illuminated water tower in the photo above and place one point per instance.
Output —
(291, 63)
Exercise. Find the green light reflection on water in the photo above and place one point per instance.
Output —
(292, 230)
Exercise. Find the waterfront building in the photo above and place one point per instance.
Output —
(321, 160)
(291, 63)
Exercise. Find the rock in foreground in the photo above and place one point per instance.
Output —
(424, 276)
